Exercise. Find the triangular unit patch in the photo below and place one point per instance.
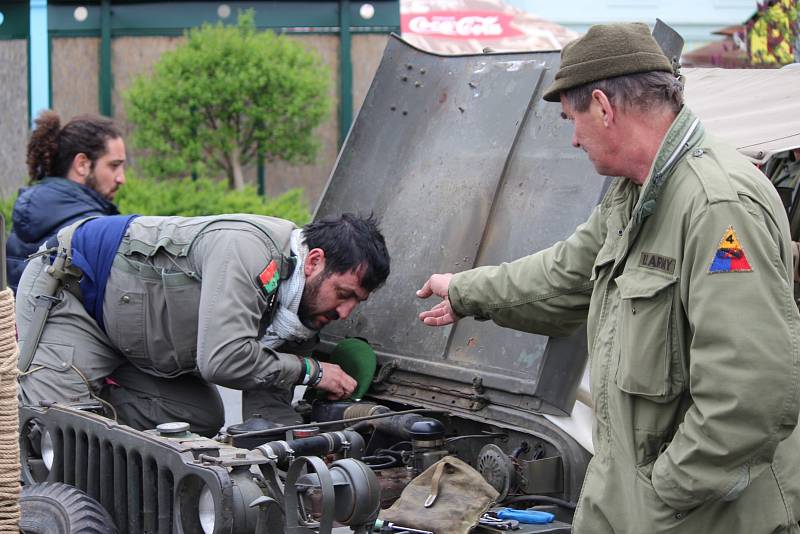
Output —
(268, 279)
(729, 256)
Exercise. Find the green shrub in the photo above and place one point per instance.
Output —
(6, 207)
(227, 94)
(145, 196)
(187, 197)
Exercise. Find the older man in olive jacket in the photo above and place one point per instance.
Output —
(684, 274)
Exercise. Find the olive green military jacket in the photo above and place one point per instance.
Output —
(694, 340)
(185, 295)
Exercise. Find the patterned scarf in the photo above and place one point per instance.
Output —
(286, 325)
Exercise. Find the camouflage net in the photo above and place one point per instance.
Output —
(9, 416)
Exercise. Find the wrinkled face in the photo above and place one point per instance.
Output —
(109, 170)
(330, 296)
(591, 135)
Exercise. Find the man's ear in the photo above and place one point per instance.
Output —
(81, 167)
(603, 105)
(315, 262)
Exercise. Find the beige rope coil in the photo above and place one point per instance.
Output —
(9, 416)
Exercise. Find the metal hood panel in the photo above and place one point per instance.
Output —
(465, 165)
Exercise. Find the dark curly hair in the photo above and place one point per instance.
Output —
(350, 242)
(52, 148)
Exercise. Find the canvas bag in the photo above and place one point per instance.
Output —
(447, 498)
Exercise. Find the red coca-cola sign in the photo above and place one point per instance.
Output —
(483, 25)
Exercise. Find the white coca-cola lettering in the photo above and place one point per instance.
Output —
(472, 26)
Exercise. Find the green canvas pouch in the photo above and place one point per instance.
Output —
(447, 498)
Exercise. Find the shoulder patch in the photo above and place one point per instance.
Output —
(729, 256)
(269, 277)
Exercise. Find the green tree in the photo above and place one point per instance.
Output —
(230, 92)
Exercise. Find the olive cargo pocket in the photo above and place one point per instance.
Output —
(125, 322)
(649, 356)
(54, 356)
(175, 350)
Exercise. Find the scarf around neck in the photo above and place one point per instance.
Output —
(286, 325)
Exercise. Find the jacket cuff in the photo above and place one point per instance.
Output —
(290, 369)
(461, 304)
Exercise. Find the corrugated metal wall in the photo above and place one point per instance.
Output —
(74, 68)
(13, 114)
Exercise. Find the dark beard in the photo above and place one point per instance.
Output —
(310, 294)
(91, 182)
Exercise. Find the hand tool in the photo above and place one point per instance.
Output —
(525, 516)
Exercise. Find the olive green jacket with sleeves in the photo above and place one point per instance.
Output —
(694, 361)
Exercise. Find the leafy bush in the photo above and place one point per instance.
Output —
(230, 92)
(6, 207)
(187, 197)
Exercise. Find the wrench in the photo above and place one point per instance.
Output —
(502, 524)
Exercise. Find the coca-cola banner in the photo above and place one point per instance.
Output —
(483, 25)
(477, 26)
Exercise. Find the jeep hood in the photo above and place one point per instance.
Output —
(465, 165)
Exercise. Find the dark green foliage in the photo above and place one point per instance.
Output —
(212, 104)
(147, 196)
(6, 207)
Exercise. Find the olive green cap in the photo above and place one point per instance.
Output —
(607, 51)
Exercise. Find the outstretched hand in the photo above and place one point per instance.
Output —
(441, 314)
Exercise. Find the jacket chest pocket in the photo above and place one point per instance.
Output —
(649, 353)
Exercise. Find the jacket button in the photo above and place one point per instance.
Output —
(698, 152)
(125, 299)
(678, 515)
(620, 232)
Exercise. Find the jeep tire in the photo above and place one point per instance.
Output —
(55, 508)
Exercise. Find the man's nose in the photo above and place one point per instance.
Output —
(346, 308)
(575, 142)
(121, 177)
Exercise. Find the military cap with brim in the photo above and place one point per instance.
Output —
(607, 51)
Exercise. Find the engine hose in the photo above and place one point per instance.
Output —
(283, 452)
(380, 461)
(364, 409)
(322, 424)
(543, 499)
(9, 416)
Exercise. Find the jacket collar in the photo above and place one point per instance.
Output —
(684, 134)
(67, 185)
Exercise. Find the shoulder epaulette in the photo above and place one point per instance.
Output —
(716, 183)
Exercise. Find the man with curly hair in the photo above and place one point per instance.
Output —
(74, 173)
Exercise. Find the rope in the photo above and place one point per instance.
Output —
(9, 416)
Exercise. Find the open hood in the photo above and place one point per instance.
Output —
(465, 165)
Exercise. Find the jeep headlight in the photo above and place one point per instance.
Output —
(206, 510)
(48, 452)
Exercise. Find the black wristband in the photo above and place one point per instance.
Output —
(317, 378)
